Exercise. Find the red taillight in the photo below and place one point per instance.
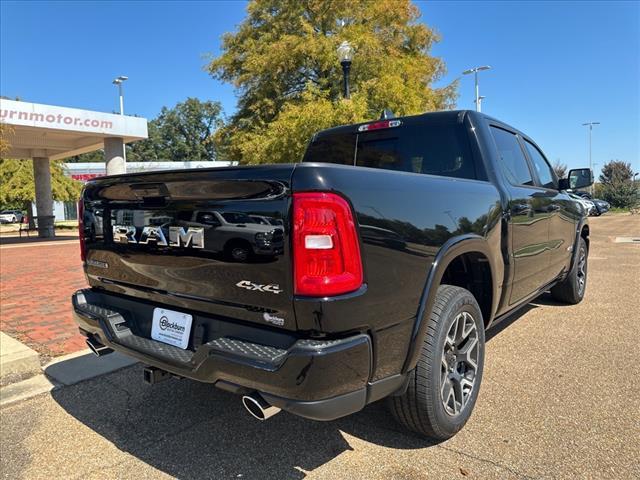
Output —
(379, 125)
(81, 229)
(326, 251)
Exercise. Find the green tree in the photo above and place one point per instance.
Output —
(181, 133)
(184, 132)
(95, 157)
(618, 187)
(283, 62)
(17, 188)
(5, 132)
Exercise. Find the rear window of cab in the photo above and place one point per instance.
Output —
(442, 150)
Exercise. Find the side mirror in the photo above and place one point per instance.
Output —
(577, 178)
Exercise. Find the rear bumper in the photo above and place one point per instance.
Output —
(318, 379)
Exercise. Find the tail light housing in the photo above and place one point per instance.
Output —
(326, 250)
(83, 248)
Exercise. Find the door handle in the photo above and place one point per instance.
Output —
(554, 207)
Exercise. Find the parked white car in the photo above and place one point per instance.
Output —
(11, 216)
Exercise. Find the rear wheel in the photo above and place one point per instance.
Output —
(571, 289)
(238, 251)
(444, 386)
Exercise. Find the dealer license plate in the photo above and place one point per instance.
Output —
(171, 327)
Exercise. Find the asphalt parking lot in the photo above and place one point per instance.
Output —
(560, 399)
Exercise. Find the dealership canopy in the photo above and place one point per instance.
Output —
(60, 132)
(46, 132)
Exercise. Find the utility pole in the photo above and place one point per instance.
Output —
(119, 81)
(475, 71)
(480, 99)
(590, 124)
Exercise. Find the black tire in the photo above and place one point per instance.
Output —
(422, 408)
(571, 290)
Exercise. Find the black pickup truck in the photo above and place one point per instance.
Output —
(374, 267)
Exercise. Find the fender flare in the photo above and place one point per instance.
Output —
(452, 248)
(574, 255)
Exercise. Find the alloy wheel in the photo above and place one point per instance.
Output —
(582, 271)
(459, 365)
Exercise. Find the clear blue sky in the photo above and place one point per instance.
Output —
(555, 64)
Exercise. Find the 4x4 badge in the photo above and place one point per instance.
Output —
(271, 288)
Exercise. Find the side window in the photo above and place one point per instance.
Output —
(514, 163)
(332, 148)
(545, 173)
(207, 218)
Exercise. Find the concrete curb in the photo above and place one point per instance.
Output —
(63, 372)
(25, 389)
(16, 359)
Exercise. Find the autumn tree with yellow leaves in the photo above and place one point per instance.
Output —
(282, 60)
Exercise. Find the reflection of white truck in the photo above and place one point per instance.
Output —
(237, 234)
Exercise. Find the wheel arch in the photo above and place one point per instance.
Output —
(237, 241)
(472, 251)
(582, 231)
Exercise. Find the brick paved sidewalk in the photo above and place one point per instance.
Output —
(36, 283)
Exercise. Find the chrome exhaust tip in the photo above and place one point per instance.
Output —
(259, 407)
(97, 348)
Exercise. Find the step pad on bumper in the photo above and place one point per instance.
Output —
(241, 348)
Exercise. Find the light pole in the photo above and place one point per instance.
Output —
(480, 99)
(475, 71)
(119, 81)
(590, 124)
(345, 55)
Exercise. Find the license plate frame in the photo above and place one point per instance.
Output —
(171, 327)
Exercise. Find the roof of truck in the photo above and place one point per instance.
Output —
(441, 117)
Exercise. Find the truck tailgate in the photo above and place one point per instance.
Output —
(210, 240)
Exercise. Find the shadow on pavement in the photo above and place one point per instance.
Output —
(194, 431)
(547, 300)
(84, 365)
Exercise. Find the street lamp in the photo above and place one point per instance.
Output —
(119, 81)
(345, 55)
(475, 71)
(590, 124)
